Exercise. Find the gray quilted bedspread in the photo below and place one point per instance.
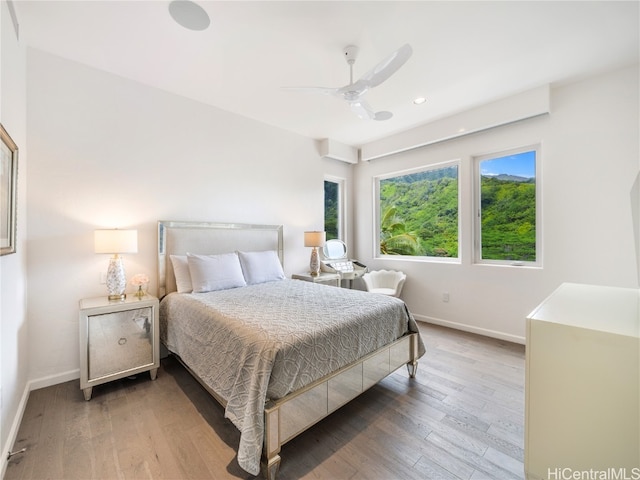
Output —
(261, 342)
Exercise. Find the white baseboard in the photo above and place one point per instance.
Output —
(13, 432)
(472, 329)
(54, 379)
(15, 426)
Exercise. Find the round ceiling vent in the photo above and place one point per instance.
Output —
(189, 14)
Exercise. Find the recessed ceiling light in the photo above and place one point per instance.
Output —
(419, 100)
(382, 116)
(189, 14)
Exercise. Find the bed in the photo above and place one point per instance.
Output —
(278, 354)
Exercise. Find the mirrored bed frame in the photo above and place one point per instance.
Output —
(289, 416)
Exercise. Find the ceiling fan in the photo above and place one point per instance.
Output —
(354, 92)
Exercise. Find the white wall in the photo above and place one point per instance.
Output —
(590, 152)
(14, 360)
(107, 152)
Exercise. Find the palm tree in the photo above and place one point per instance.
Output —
(394, 238)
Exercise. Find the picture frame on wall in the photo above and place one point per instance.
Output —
(8, 196)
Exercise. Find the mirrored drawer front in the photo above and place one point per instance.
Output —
(120, 341)
(345, 386)
(302, 411)
(375, 368)
(400, 353)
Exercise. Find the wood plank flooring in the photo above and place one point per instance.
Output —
(461, 418)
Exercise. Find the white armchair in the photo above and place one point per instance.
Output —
(387, 282)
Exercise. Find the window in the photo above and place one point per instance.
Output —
(507, 226)
(418, 212)
(333, 208)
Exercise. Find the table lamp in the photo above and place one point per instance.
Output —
(314, 240)
(116, 242)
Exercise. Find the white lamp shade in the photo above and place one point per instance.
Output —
(314, 239)
(116, 241)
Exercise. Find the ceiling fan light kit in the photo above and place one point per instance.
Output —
(354, 92)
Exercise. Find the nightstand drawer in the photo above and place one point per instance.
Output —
(119, 341)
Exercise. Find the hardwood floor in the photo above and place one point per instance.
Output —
(461, 418)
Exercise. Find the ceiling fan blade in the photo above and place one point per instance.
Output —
(353, 91)
(387, 67)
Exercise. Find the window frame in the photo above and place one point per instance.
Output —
(377, 213)
(477, 206)
(342, 208)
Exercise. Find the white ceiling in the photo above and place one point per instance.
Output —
(465, 53)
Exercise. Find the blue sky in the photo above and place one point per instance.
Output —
(521, 164)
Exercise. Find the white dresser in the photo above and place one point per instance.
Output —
(582, 406)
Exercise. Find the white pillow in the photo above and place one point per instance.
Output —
(215, 272)
(261, 267)
(181, 272)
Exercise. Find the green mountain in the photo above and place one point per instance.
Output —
(508, 215)
(427, 204)
(424, 206)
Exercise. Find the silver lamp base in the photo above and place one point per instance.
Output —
(314, 263)
(116, 279)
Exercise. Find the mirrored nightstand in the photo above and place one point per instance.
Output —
(117, 339)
